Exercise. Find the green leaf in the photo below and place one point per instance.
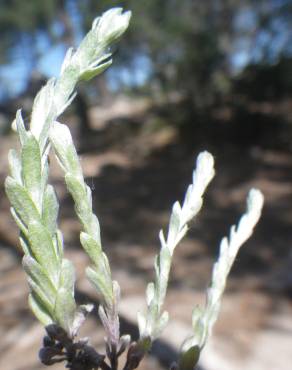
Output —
(15, 165)
(68, 59)
(62, 142)
(44, 249)
(78, 192)
(86, 54)
(102, 285)
(80, 316)
(31, 167)
(111, 25)
(41, 110)
(200, 328)
(189, 359)
(95, 228)
(25, 245)
(164, 259)
(45, 172)
(21, 201)
(92, 248)
(141, 322)
(65, 307)
(160, 324)
(39, 275)
(65, 86)
(150, 292)
(50, 210)
(20, 127)
(40, 312)
(90, 73)
(60, 244)
(174, 223)
(40, 296)
(105, 267)
(67, 277)
(18, 221)
(197, 314)
(116, 292)
(164, 263)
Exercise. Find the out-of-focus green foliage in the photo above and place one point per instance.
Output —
(190, 43)
(266, 82)
(21, 20)
(182, 41)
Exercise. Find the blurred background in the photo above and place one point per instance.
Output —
(188, 75)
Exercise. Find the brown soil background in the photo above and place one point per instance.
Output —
(136, 174)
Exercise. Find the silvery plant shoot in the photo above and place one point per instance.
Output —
(51, 277)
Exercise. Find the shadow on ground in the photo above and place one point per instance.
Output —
(137, 167)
